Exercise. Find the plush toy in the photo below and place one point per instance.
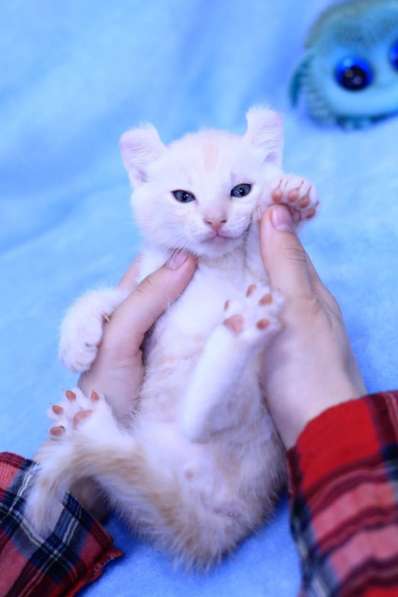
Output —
(349, 73)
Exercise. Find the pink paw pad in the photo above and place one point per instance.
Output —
(266, 299)
(81, 416)
(255, 315)
(277, 194)
(57, 431)
(234, 323)
(75, 409)
(262, 324)
(304, 202)
(294, 195)
(310, 213)
(251, 289)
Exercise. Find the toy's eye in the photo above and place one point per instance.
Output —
(183, 196)
(394, 55)
(354, 73)
(241, 190)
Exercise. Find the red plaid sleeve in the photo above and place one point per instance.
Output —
(343, 482)
(71, 557)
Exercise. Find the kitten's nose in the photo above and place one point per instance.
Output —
(215, 223)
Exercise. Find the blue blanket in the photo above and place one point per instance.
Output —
(74, 76)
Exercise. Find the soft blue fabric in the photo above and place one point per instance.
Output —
(74, 76)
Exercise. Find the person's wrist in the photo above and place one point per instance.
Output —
(292, 422)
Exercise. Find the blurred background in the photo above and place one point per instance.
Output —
(74, 76)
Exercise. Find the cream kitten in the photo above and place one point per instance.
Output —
(200, 464)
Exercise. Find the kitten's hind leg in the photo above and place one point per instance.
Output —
(86, 441)
(245, 329)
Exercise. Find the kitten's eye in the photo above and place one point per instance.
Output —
(241, 190)
(183, 196)
(394, 55)
(354, 73)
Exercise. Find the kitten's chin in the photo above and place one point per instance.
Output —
(216, 247)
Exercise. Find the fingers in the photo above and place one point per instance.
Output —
(323, 292)
(283, 254)
(129, 280)
(143, 307)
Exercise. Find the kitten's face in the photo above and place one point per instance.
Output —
(199, 193)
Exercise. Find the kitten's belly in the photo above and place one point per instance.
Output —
(232, 458)
(218, 468)
(236, 457)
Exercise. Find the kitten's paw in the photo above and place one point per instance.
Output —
(82, 327)
(256, 317)
(298, 194)
(75, 409)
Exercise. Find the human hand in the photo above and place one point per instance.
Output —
(309, 366)
(118, 371)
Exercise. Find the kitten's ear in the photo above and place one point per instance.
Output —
(139, 148)
(265, 131)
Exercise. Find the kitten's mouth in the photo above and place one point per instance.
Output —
(219, 237)
(224, 236)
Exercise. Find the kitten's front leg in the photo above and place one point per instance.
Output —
(82, 328)
(247, 326)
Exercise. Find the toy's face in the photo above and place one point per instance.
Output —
(352, 62)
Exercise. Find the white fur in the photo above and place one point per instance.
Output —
(82, 327)
(201, 464)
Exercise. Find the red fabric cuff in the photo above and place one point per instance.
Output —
(341, 436)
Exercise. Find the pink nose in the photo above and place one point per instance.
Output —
(216, 224)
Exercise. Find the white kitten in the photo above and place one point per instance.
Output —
(200, 465)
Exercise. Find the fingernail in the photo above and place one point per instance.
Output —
(176, 259)
(281, 218)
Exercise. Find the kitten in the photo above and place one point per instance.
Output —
(200, 464)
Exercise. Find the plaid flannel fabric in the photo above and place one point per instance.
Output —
(344, 499)
(72, 556)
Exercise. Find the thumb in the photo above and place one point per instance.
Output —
(283, 254)
(136, 315)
